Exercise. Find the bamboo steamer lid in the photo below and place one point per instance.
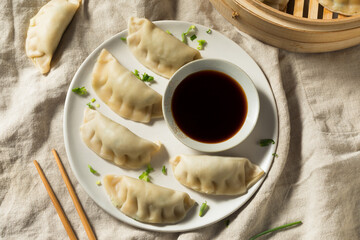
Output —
(305, 26)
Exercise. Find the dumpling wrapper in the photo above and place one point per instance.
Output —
(159, 51)
(46, 29)
(216, 175)
(125, 94)
(345, 7)
(277, 4)
(114, 142)
(145, 201)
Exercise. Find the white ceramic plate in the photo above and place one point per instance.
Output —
(218, 46)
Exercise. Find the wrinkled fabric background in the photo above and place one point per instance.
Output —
(315, 178)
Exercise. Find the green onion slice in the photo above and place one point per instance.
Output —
(203, 209)
(81, 91)
(275, 229)
(193, 37)
(93, 171)
(266, 142)
(202, 43)
(90, 106)
(164, 170)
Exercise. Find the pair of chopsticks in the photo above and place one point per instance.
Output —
(73, 196)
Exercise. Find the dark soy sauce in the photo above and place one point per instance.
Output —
(209, 106)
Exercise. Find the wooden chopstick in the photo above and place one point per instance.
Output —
(56, 203)
(74, 197)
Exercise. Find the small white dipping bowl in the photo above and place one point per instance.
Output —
(230, 69)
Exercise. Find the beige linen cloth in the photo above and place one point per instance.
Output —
(315, 179)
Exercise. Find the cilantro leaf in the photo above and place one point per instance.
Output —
(266, 142)
(81, 91)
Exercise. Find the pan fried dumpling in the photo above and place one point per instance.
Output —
(147, 202)
(46, 29)
(115, 142)
(126, 95)
(277, 4)
(216, 175)
(346, 7)
(159, 51)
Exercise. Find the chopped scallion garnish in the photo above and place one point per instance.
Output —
(275, 155)
(90, 106)
(149, 168)
(275, 229)
(123, 38)
(183, 35)
(145, 176)
(167, 31)
(98, 183)
(202, 43)
(145, 77)
(266, 142)
(93, 100)
(203, 209)
(81, 91)
(93, 171)
(97, 105)
(164, 170)
(193, 37)
(209, 31)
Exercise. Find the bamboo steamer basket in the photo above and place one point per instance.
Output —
(305, 26)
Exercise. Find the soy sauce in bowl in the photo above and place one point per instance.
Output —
(209, 106)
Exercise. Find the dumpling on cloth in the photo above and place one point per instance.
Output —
(345, 7)
(46, 30)
(157, 50)
(114, 142)
(277, 4)
(145, 201)
(125, 94)
(216, 175)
